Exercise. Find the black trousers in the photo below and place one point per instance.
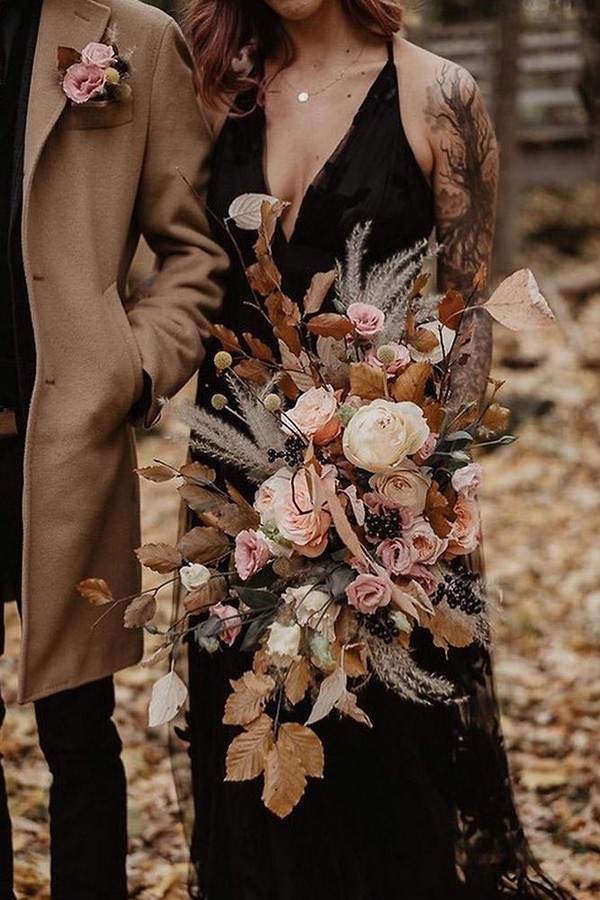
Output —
(88, 807)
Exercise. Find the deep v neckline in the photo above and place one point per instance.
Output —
(342, 145)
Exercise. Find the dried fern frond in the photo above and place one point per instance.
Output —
(212, 435)
(397, 669)
(389, 282)
(349, 281)
(264, 426)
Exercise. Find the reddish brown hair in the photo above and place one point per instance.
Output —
(219, 30)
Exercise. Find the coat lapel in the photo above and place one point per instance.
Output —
(67, 23)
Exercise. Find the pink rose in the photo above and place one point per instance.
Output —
(315, 414)
(425, 577)
(397, 555)
(465, 481)
(367, 319)
(465, 535)
(425, 542)
(83, 81)
(251, 553)
(285, 500)
(367, 593)
(101, 55)
(400, 361)
(230, 615)
(422, 455)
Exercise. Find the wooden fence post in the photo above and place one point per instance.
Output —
(590, 82)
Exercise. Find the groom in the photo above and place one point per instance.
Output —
(78, 184)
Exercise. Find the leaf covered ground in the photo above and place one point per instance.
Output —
(542, 520)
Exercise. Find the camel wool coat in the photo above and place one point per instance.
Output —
(95, 178)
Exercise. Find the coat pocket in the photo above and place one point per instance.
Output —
(98, 114)
(114, 306)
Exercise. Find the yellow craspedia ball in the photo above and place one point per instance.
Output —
(218, 401)
(272, 402)
(111, 75)
(223, 360)
(123, 92)
(386, 355)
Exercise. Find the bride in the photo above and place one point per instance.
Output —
(323, 104)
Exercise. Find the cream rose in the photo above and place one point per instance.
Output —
(406, 487)
(380, 436)
(313, 607)
(283, 642)
(315, 415)
(194, 576)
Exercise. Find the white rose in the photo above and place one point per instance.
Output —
(313, 607)
(284, 642)
(380, 436)
(194, 576)
(437, 355)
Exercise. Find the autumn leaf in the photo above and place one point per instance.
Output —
(67, 57)
(253, 518)
(227, 338)
(140, 611)
(434, 413)
(495, 419)
(247, 210)
(518, 304)
(96, 591)
(199, 499)
(330, 325)
(195, 471)
(284, 316)
(162, 558)
(366, 381)
(258, 348)
(298, 368)
(411, 384)
(348, 706)
(305, 744)
(161, 653)
(330, 692)
(288, 386)
(451, 627)
(451, 308)
(203, 545)
(263, 276)
(169, 694)
(320, 286)
(422, 339)
(208, 595)
(438, 511)
(250, 693)
(342, 524)
(247, 752)
(354, 658)
(285, 781)
(297, 680)
(270, 211)
(252, 370)
(157, 473)
(346, 627)
(419, 286)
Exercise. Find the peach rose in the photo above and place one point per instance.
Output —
(465, 535)
(427, 545)
(251, 553)
(367, 593)
(406, 487)
(230, 615)
(397, 555)
(315, 414)
(466, 481)
(291, 509)
(83, 81)
(101, 55)
(400, 361)
(367, 319)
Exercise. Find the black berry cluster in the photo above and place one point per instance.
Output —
(380, 625)
(386, 524)
(293, 453)
(460, 592)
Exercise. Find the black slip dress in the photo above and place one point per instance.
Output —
(402, 803)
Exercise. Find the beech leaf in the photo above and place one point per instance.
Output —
(285, 781)
(195, 471)
(518, 304)
(203, 545)
(331, 690)
(284, 316)
(348, 706)
(411, 384)
(451, 627)
(252, 370)
(247, 752)
(250, 693)
(330, 325)
(297, 680)
(162, 558)
(306, 745)
(246, 210)
(140, 611)
(96, 591)
(298, 367)
(67, 57)
(496, 418)
(366, 381)
(258, 348)
(320, 286)
(451, 308)
(208, 595)
(169, 694)
(157, 473)
(227, 338)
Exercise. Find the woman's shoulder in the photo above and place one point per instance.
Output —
(433, 77)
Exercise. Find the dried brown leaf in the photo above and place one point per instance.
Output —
(305, 744)
(247, 752)
(518, 304)
(285, 781)
(96, 591)
(438, 511)
(250, 693)
(348, 706)
(367, 382)
(451, 308)
(208, 595)
(451, 627)
(162, 558)
(419, 286)
(330, 325)
(203, 545)
(67, 57)
(284, 316)
(252, 370)
(411, 384)
(226, 337)
(140, 611)
(297, 680)
(157, 473)
(496, 419)
(195, 471)
(258, 348)
(320, 286)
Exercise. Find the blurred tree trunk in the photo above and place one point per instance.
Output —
(590, 82)
(506, 117)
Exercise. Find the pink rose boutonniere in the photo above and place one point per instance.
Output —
(99, 74)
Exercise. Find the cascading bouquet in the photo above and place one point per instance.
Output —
(365, 508)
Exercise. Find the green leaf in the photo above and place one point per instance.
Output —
(257, 599)
(256, 630)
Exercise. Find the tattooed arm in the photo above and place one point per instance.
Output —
(465, 177)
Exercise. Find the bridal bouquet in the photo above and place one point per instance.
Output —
(363, 512)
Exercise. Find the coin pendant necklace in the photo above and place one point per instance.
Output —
(303, 96)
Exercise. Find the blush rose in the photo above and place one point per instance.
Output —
(467, 480)
(367, 319)
(400, 361)
(83, 81)
(397, 555)
(230, 615)
(252, 553)
(368, 593)
(101, 55)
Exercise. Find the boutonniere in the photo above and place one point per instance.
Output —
(99, 73)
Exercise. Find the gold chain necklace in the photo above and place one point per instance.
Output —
(303, 96)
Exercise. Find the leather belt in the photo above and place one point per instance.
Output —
(8, 423)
